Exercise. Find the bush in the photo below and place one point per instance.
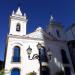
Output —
(31, 73)
(2, 72)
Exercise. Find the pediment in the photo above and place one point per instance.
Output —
(39, 33)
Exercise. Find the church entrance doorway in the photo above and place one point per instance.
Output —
(15, 71)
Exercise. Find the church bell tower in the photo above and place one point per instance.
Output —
(14, 60)
(18, 23)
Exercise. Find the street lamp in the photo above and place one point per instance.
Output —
(42, 58)
(36, 56)
(29, 51)
(49, 53)
(39, 46)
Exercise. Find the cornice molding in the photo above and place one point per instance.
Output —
(30, 38)
(18, 18)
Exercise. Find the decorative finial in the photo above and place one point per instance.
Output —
(13, 13)
(51, 18)
(19, 11)
(25, 14)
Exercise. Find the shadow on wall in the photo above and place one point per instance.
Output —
(46, 57)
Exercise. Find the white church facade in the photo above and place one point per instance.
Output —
(44, 52)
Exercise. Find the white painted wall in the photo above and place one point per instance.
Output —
(33, 65)
(25, 65)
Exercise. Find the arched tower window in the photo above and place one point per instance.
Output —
(16, 55)
(64, 57)
(15, 71)
(18, 27)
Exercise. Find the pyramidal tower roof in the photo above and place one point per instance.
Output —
(18, 12)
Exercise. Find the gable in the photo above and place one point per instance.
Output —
(39, 33)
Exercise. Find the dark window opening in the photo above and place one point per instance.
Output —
(15, 71)
(16, 55)
(18, 27)
(58, 33)
(64, 57)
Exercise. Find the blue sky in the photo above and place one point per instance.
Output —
(38, 14)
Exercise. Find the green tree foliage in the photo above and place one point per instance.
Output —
(2, 72)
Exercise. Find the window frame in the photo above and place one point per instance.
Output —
(16, 52)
